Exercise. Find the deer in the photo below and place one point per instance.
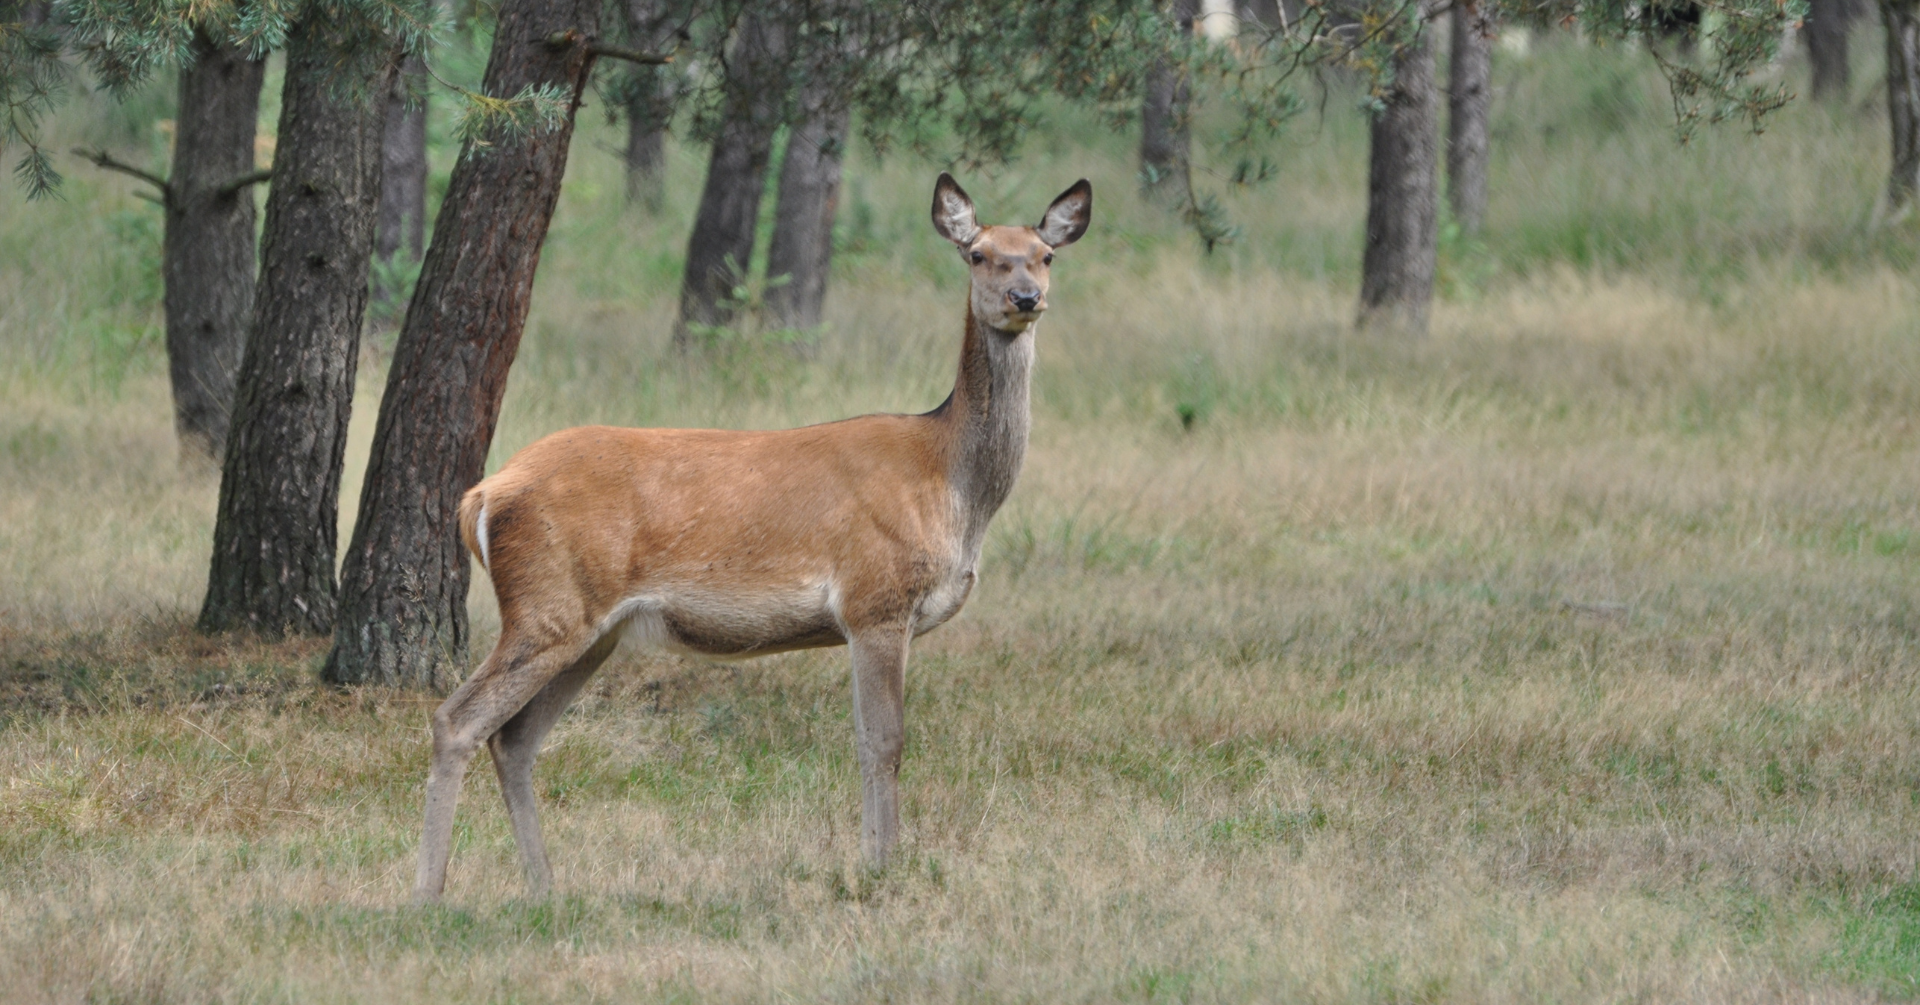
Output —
(727, 545)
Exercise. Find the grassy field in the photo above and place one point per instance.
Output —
(1567, 655)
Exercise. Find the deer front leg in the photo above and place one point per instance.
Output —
(879, 726)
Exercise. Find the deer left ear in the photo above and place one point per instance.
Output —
(1068, 217)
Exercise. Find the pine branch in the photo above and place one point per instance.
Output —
(566, 39)
(101, 158)
(252, 178)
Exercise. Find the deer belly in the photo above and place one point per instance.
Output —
(733, 627)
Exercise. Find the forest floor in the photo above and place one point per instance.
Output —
(1567, 654)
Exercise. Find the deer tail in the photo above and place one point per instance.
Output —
(473, 524)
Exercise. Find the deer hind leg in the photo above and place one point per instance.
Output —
(880, 736)
(517, 744)
(518, 669)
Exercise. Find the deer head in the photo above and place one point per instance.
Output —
(1009, 264)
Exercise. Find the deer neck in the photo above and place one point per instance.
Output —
(987, 416)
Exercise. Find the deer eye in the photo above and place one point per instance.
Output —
(1048, 260)
(978, 258)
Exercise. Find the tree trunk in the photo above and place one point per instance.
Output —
(403, 603)
(1166, 134)
(720, 250)
(1469, 93)
(1903, 102)
(802, 248)
(209, 245)
(1396, 275)
(646, 139)
(1828, 24)
(649, 101)
(273, 542)
(403, 182)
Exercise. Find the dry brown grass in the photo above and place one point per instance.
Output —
(1566, 655)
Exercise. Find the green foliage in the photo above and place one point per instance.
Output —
(31, 81)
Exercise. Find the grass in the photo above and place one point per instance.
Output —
(1566, 655)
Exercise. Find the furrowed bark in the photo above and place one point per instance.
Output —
(274, 539)
(1829, 22)
(403, 183)
(1902, 19)
(403, 613)
(720, 250)
(1469, 93)
(1396, 274)
(209, 255)
(1166, 134)
(802, 247)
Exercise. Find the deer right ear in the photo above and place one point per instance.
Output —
(953, 212)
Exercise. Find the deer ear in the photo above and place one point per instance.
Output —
(953, 212)
(1068, 217)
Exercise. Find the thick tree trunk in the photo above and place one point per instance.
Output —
(1396, 275)
(720, 250)
(274, 539)
(403, 181)
(209, 246)
(1469, 93)
(1903, 102)
(649, 101)
(802, 248)
(1829, 22)
(1166, 135)
(403, 602)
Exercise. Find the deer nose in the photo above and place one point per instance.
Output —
(1024, 300)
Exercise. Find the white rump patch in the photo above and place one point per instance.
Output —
(480, 534)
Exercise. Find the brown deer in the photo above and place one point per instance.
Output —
(864, 532)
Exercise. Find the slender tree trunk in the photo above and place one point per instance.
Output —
(1903, 102)
(646, 139)
(802, 248)
(209, 254)
(273, 542)
(720, 250)
(1396, 275)
(649, 102)
(1829, 22)
(1166, 135)
(1469, 93)
(403, 603)
(403, 182)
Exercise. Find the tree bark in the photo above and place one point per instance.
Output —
(403, 614)
(802, 248)
(649, 106)
(209, 258)
(720, 250)
(274, 538)
(1469, 93)
(403, 181)
(1902, 18)
(1396, 275)
(1166, 134)
(1829, 22)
